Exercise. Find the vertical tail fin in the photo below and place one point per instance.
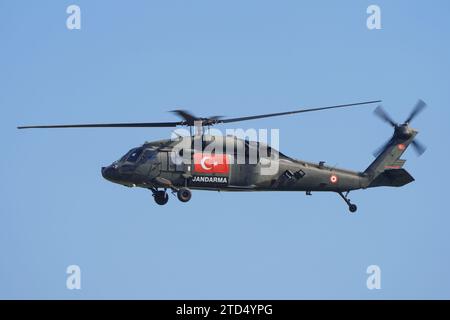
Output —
(389, 158)
(387, 170)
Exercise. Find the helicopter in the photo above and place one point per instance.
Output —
(162, 165)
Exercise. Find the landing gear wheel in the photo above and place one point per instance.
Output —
(161, 197)
(352, 208)
(184, 194)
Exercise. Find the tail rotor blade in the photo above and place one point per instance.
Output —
(419, 147)
(382, 114)
(418, 108)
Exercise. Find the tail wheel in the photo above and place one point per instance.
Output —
(351, 207)
(184, 194)
(161, 197)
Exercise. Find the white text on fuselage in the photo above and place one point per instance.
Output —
(204, 179)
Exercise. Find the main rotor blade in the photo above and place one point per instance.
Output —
(215, 118)
(108, 125)
(383, 115)
(292, 112)
(186, 115)
(188, 119)
(419, 147)
(420, 105)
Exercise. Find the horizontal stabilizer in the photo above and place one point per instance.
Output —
(392, 178)
(396, 165)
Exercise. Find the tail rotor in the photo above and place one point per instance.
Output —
(401, 131)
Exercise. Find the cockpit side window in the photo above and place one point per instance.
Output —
(149, 154)
(134, 155)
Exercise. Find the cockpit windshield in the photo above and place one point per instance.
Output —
(139, 154)
(133, 155)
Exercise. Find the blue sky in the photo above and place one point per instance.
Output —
(134, 61)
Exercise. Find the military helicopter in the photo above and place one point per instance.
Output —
(156, 165)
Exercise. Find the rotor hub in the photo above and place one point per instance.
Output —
(404, 131)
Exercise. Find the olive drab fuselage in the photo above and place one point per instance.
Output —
(157, 165)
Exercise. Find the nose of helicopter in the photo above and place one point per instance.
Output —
(109, 173)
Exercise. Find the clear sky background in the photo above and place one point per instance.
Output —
(134, 61)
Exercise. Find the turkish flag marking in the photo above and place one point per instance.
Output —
(211, 163)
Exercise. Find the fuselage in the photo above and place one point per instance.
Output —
(161, 164)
